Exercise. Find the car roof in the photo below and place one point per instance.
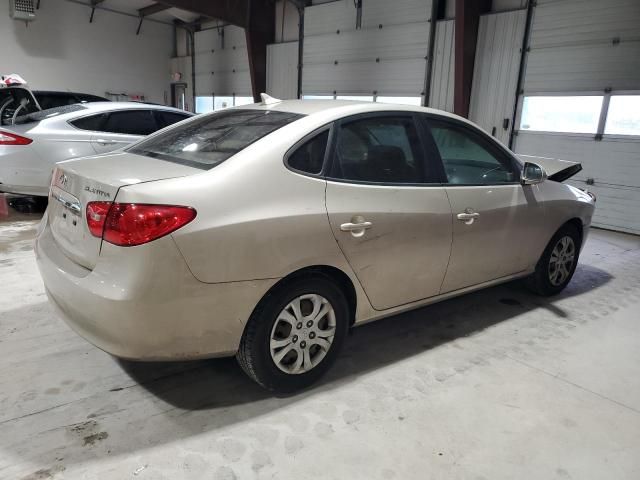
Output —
(343, 107)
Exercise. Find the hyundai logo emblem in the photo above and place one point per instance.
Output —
(63, 179)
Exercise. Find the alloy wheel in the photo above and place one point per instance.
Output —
(561, 260)
(302, 334)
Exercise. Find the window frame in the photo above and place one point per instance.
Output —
(428, 160)
(485, 140)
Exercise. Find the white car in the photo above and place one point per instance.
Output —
(30, 147)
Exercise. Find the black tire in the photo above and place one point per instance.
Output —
(542, 281)
(254, 354)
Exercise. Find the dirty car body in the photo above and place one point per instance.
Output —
(386, 208)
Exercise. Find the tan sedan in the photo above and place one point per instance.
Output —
(267, 231)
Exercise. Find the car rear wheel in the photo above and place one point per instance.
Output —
(295, 334)
(558, 262)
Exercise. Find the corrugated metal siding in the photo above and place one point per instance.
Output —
(282, 70)
(222, 71)
(329, 17)
(376, 12)
(613, 163)
(443, 64)
(584, 45)
(388, 60)
(495, 75)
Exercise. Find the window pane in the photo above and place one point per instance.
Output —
(380, 149)
(220, 103)
(417, 101)
(466, 161)
(165, 119)
(355, 97)
(243, 101)
(310, 156)
(94, 122)
(131, 122)
(561, 114)
(317, 97)
(624, 115)
(208, 141)
(204, 104)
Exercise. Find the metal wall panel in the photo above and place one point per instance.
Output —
(329, 17)
(376, 12)
(222, 71)
(612, 164)
(442, 80)
(282, 70)
(495, 78)
(388, 60)
(586, 45)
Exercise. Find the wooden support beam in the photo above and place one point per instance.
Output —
(466, 39)
(260, 32)
(152, 9)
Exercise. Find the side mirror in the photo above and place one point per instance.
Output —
(532, 174)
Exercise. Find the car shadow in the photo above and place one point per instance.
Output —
(216, 383)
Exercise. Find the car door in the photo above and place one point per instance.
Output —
(392, 223)
(123, 127)
(495, 218)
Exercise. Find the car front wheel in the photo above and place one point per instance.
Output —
(558, 262)
(295, 334)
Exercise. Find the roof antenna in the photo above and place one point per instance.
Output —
(268, 99)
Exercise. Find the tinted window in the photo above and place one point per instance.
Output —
(467, 159)
(379, 149)
(164, 119)
(210, 139)
(93, 122)
(310, 156)
(130, 122)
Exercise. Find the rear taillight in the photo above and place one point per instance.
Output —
(130, 224)
(7, 138)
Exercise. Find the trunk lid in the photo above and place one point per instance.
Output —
(557, 170)
(75, 183)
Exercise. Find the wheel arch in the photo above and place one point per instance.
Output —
(577, 223)
(335, 274)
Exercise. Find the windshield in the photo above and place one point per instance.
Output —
(210, 140)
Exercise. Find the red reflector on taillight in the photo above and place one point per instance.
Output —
(7, 138)
(96, 216)
(130, 224)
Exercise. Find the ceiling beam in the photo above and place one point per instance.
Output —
(152, 9)
(235, 12)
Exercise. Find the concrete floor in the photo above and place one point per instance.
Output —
(494, 385)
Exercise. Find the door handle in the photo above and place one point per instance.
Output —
(105, 142)
(468, 217)
(357, 229)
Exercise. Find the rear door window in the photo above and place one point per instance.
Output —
(210, 139)
(379, 149)
(130, 122)
(164, 119)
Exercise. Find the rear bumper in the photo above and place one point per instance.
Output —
(143, 303)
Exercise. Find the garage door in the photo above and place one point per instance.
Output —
(581, 100)
(222, 64)
(385, 56)
(495, 76)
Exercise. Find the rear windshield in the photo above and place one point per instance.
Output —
(210, 140)
(49, 113)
